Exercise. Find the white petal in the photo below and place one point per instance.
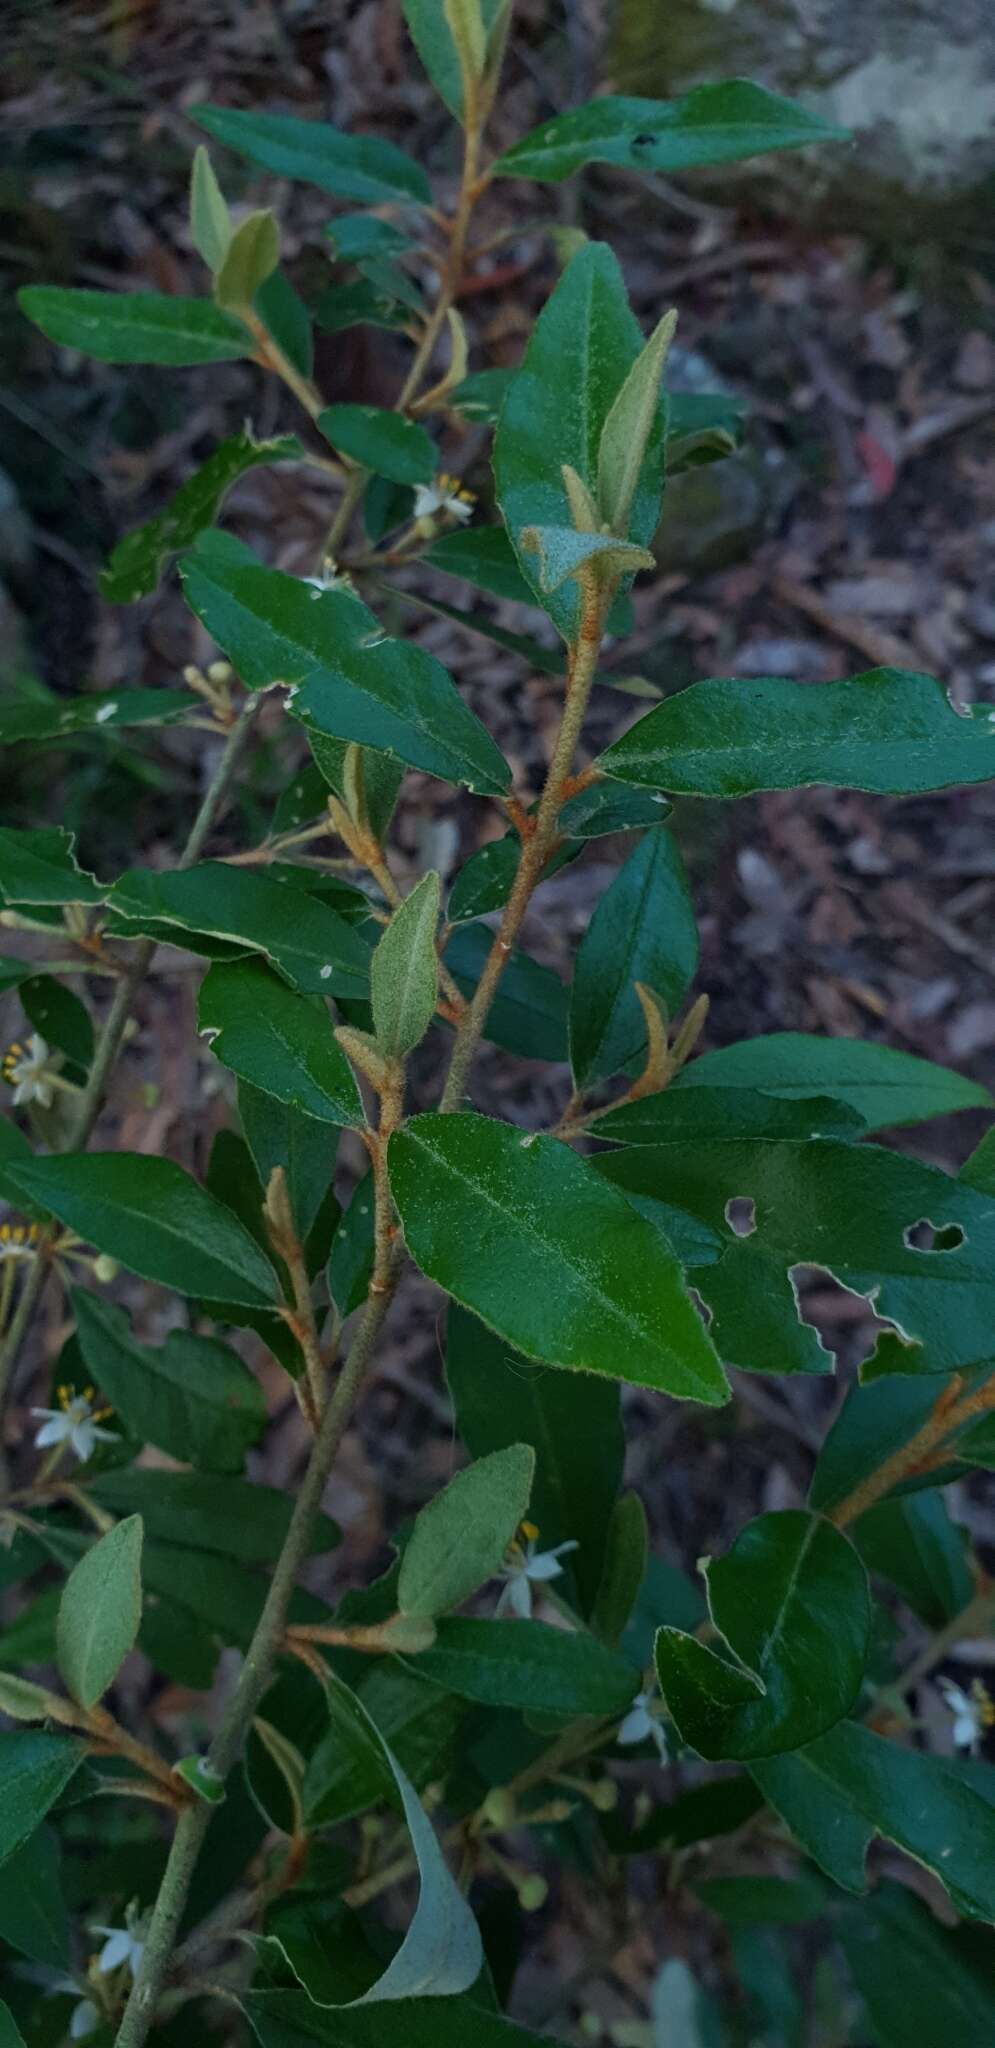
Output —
(54, 1432)
(38, 1049)
(460, 509)
(427, 501)
(519, 1596)
(545, 1566)
(659, 1735)
(24, 1092)
(44, 1093)
(85, 2019)
(637, 1724)
(82, 1437)
(115, 1951)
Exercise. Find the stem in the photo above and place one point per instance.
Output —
(921, 1453)
(537, 844)
(453, 274)
(109, 1042)
(273, 358)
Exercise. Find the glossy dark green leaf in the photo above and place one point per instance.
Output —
(351, 1259)
(357, 235)
(626, 1546)
(596, 812)
(60, 1017)
(30, 1639)
(764, 1901)
(138, 561)
(518, 1229)
(279, 1041)
(915, 1546)
(34, 1769)
(33, 1915)
(417, 1721)
(643, 929)
(385, 442)
(882, 1084)
(572, 1423)
(851, 1210)
(363, 303)
(693, 1114)
(59, 718)
(306, 940)
(704, 1814)
(432, 37)
(483, 556)
(851, 1785)
(581, 350)
(287, 321)
(305, 1147)
(460, 1538)
(888, 730)
(156, 1219)
(99, 1612)
(404, 971)
(191, 1396)
(38, 866)
(920, 1980)
(481, 395)
(136, 327)
(667, 1598)
(714, 124)
(353, 166)
(790, 1601)
(10, 2033)
(529, 1013)
(347, 677)
(232, 1517)
(528, 1666)
(484, 882)
(288, 2019)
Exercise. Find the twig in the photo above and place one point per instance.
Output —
(951, 1412)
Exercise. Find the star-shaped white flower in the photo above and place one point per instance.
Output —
(122, 1945)
(641, 1725)
(444, 494)
(525, 1567)
(973, 1712)
(75, 1422)
(29, 1072)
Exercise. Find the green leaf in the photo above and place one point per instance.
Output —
(61, 718)
(39, 866)
(404, 971)
(191, 1396)
(884, 1086)
(692, 1114)
(382, 441)
(920, 1981)
(60, 1018)
(528, 1666)
(481, 396)
(34, 1769)
(875, 1420)
(851, 1785)
(549, 661)
(33, 1916)
(573, 1423)
(153, 1217)
(764, 1901)
(287, 321)
(433, 39)
(913, 1543)
(136, 327)
(279, 1041)
(626, 1548)
(628, 427)
(714, 124)
(99, 1612)
(206, 1510)
(581, 351)
(529, 1013)
(790, 1601)
(441, 1951)
(347, 678)
(15, 1151)
(485, 881)
(642, 930)
(355, 236)
(364, 303)
(483, 556)
(289, 2019)
(138, 561)
(353, 166)
(344, 1777)
(595, 812)
(518, 1229)
(850, 1210)
(564, 554)
(306, 940)
(460, 1538)
(381, 777)
(277, 1135)
(251, 257)
(10, 2033)
(889, 731)
(210, 220)
(351, 1261)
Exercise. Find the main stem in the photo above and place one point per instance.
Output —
(109, 1042)
(536, 844)
(254, 1677)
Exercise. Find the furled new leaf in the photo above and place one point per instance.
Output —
(404, 971)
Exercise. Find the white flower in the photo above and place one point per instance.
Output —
(973, 1712)
(444, 494)
(29, 1073)
(525, 1567)
(83, 2020)
(121, 1946)
(75, 1422)
(641, 1725)
(18, 1240)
